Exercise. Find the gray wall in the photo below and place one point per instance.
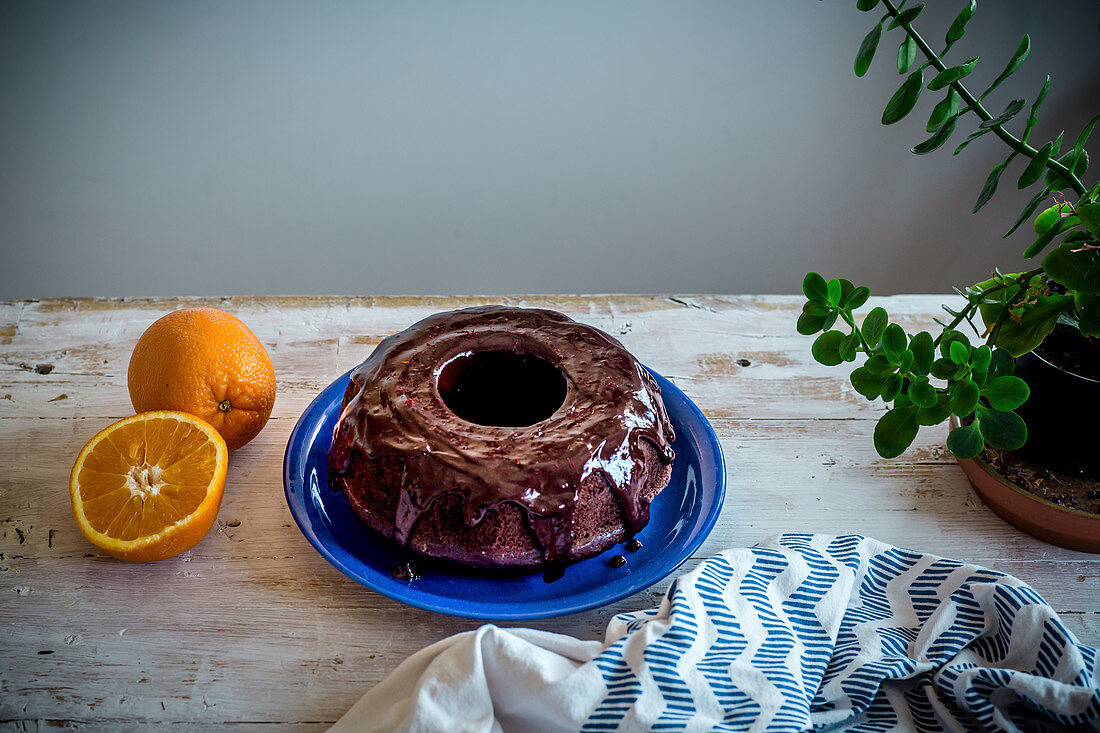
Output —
(200, 148)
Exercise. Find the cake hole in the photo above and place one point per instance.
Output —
(502, 388)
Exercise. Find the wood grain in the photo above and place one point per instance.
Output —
(254, 629)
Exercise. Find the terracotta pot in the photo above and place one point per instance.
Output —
(1058, 525)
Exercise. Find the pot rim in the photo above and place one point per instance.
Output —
(1061, 369)
(1001, 479)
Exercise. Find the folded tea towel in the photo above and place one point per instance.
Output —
(801, 632)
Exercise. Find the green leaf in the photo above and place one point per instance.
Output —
(895, 431)
(949, 337)
(1011, 110)
(964, 397)
(1088, 314)
(1028, 210)
(1020, 337)
(939, 137)
(965, 441)
(866, 5)
(1078, 236)
(904, 99)
(1013, 63)
(816, 316)
(846, 289)
(990, 186)
(923, 352)
(1079, 146)
(808, 325)
(1006, 393)
(866, 382)
(992, 306)
(815, 287)
(849, 345)
(874, 325)
(891, 386)
(943, 368)
(1053, 215)
(1000, 364)
(893, 341)
(959, 352)
(1078, 270)
(1002, 430)
(1058, 147)
(923, 394)
(832, 293)
(907, 54)
(1046, 238)
(944, 110)
(937, 413)
(826, 348)
(1036, 167)
(952, 75)
(905, 362)
(1090, 217)
(867, 50)
(1033, 118)
(857, 297)
(879, 364)
(980, 358)
(958, 26)
(1080, 164)
(906, 16)
(971, 138)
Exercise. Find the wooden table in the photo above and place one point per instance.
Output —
(254, 627)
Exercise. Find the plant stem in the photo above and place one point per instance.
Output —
(972, 304)
(975, 106)
(1024, 282)
(851, 321)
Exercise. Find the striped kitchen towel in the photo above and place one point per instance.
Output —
(803, 632)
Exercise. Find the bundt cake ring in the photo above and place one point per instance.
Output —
(502, 437)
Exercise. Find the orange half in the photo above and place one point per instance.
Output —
(148, 487)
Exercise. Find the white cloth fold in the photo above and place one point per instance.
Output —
(801, 632)
(490, 679)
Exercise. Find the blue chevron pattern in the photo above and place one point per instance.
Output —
(845, 633)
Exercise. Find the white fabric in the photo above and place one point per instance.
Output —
(800, 632)
(490, 679)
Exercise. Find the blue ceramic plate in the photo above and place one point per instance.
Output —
(680, 519)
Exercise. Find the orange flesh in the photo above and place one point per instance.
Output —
(146, 476)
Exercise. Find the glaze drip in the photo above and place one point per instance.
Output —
(611, 405)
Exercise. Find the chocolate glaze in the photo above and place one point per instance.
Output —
(555, 571)
(406, 571)
(611, 404)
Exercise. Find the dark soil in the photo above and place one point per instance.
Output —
(1077, 492)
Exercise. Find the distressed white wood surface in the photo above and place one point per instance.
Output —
(253, 627)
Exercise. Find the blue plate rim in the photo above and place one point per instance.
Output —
(655, 570)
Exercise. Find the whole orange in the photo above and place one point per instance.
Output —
(208, 363)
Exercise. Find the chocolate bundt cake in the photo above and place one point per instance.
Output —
(502, 437)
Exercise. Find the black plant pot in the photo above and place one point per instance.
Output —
(1061, 415)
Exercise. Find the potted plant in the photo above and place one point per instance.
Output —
(1035, 334)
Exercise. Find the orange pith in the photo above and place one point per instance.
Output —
(208, 363)
(149, 487)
